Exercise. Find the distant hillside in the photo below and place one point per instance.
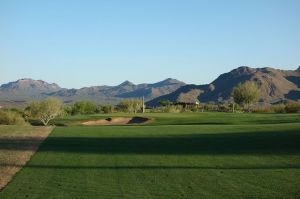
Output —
(151, 91)
(25, 90)
(274, 85)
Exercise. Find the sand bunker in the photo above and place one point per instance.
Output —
(118, 121)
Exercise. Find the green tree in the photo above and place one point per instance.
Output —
(245, 94)
(108, 109)
(131, 105)
(84, 107)
(67, 110)
(165, 102)
(44, 110)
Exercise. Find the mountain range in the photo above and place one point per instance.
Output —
(274, 85)
(25, 90)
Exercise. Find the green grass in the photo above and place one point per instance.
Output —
(193, 118)
(204, 155)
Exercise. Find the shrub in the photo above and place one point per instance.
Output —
(66, 110)
(194, 109)
(211, 107)
(84, 107)
(17, 110)
(99, 109)
(224, 108)
(165, 102)
(279, 108)
(173, 109)
(130, 105)
(11, 118)
(156, 110)
(292, 107)
(262, 109)
(108, 109)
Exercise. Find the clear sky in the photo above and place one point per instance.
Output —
(84, 43)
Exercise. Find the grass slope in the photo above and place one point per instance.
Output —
(163, 160)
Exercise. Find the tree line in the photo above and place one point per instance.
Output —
(46, 110)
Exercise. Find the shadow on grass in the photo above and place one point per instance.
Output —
(160, 167)
(223, 143)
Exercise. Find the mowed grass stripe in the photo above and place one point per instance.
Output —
(164, 161)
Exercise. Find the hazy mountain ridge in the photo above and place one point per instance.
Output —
(28, 89)
(30, 84)
(274, 84)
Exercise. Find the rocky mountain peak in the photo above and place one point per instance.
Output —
(168, 81)
(126, 83)
(27, 83)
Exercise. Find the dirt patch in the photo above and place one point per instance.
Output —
(17, 145)
(118, 121)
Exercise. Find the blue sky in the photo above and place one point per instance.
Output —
(84, 43)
